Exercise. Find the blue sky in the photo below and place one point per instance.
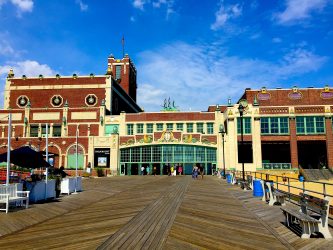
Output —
(198, 53)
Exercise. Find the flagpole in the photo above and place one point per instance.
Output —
(123, 44)
(8, 146)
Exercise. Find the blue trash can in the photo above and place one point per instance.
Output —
(228, 176)
(257, 188)
(301, 178)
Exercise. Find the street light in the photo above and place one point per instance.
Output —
(241, 108)
(222, 131)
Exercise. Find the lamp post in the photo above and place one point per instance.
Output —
(241, 108)
(76, 156)
(8, 147)
(222, 131)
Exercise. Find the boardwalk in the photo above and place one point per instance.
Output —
(147, 212)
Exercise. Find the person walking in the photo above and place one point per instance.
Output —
(202, 172)
(148, 170)
(154, 170)
(142, 170)
(195, 172)
(171, 171)
(180, 170)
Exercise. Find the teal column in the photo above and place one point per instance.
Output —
(129, 169)
(140, 165)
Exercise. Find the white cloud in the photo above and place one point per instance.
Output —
(196, 76)
(23, 5)
(132, 19)
(28, 68)
(224, 13)
(139, 4)
(297, 10)
(149, 94)
(83, 6)
(301, 61)
(156, 4)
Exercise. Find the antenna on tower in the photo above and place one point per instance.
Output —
(123, 45)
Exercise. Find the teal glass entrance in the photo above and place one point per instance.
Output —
(163, 157)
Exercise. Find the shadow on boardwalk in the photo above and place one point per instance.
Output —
(152, 213)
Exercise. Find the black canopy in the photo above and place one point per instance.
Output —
(25, 157)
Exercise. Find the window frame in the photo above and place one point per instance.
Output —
(189, 128)
(130, 129)
(200, 127)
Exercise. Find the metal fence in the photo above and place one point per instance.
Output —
(293, 190)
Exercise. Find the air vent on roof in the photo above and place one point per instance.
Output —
(310, 87)
(248, 89)
(278, 88)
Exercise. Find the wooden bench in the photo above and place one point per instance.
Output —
(264, 187)
(10, 194)
(312, 217)
(248, 183)
(275, 196)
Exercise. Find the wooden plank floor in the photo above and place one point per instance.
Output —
(273, 217)
(147, 212)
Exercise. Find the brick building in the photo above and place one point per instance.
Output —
(283, 128)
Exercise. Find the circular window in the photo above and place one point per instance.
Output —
(56, 100)
(91, 100)
(22, 101)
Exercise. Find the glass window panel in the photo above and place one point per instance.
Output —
(264, 125)
(139, 128)
(129, 129)
(159, 126)
(200, 154)
(180, 126)
(211, 154)
(284, 125)
(200, 128)
(125, 155)
(320, 125)
(118, 72)
(136, 154)
(300, 127)
(157, 154)
(310, 126)
(178, 153)
(167, 154)
(146, 154)
(149, 128)
(210, 128)
(189, 127)
(246, 125)
(56, 131)
(170, 126)
(274, 125)
(34, 130)
(189, 154)
(43, 127)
